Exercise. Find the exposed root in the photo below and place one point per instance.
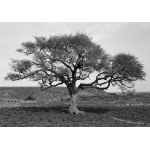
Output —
(74, 110)
(80, 112)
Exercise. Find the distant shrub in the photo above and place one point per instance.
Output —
(31, 97)
(130, 92)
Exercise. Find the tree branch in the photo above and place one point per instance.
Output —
(44, 87)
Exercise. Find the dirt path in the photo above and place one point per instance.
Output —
(128, 121)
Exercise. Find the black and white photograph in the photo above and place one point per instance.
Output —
(66, 75)
(74, 75)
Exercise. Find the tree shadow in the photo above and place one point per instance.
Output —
(55, 109)
(61, 109)
(97, 110)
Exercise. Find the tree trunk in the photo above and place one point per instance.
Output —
(73, 105)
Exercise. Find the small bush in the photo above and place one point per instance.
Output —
(31, 97)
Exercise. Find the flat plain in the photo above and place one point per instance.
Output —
(30, 107)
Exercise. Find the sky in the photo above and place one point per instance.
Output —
(128, 37)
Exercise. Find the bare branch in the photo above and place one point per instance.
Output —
(45, 87)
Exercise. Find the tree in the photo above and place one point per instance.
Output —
(67, 59)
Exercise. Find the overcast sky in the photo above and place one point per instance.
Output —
(113, 37)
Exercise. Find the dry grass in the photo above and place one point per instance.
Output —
(51, 110)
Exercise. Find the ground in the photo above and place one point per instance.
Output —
(49, 108)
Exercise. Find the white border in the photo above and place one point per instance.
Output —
(74, 11)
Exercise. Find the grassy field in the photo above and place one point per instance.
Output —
(50, 109)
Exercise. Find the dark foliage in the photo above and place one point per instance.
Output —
(65, 59)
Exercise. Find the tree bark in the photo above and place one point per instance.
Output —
(73, 105)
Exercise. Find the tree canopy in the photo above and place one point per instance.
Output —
(66, 59)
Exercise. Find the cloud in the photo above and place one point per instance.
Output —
(105, 30)
(97, 30)
(144, 25)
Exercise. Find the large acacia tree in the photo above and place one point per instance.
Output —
(67, 59)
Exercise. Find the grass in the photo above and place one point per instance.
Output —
(56, 116)
(98, 112)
